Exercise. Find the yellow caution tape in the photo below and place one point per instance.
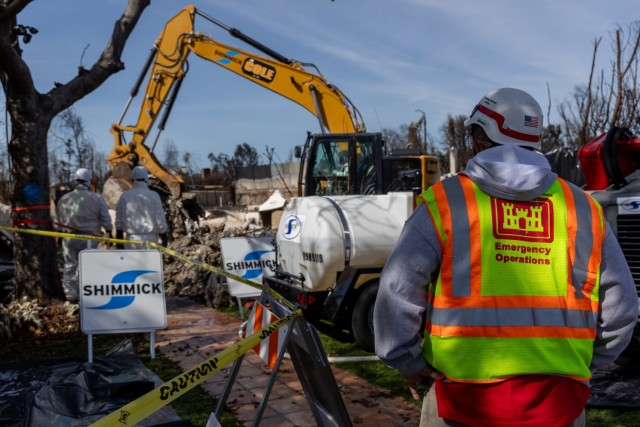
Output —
(68, 235)
(156, 399)
(168, 251)
(161, 396)
(222, 272)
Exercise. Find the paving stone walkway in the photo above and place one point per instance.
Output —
(196, 332)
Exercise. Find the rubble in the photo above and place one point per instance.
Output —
(195, 234)
(29, 318)
(201, 242)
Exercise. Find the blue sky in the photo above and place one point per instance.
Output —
(391, 58)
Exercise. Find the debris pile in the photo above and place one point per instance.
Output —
(200, 242)
(195, 234)
(29, 318)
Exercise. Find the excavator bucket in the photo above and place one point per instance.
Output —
(118, 181)
(113, 189)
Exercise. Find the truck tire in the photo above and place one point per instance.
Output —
(362, 318)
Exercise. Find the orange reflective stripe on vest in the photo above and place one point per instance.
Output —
(522, 274)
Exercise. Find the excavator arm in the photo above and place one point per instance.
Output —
(167, 66)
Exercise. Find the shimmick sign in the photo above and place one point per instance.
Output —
(121, 291)
(251, 258)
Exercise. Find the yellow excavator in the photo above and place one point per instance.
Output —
(343, 159)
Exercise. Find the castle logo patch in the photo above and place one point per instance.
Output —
(530, 221)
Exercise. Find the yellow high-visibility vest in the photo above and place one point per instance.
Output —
(517, 290)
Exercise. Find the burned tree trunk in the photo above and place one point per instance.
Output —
(31, 112)
(36, 268)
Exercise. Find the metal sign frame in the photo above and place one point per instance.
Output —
(254, 256)
(311, 365)
(121, 292)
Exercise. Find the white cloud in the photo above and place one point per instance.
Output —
(389, 57)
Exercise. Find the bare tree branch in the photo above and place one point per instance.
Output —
(11, 8)
(582, 135)
(549, 103)
(621, 73)
(12, 67)
(36, 272)
(107, 64)
(610, 97)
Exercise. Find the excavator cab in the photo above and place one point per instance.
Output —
(341, 164)
(349, 164)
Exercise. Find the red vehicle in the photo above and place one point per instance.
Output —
(611, 166)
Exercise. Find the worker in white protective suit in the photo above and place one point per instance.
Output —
(139, 213)
(84, 212)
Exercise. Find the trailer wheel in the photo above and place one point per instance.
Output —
(362, 318)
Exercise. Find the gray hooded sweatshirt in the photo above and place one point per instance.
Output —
(507, 172)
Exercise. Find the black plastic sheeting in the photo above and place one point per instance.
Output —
(618, 386)
(72, 392)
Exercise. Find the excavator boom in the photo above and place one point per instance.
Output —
(167, 66)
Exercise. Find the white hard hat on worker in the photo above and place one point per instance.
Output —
(140, 173)
(83, 175)
(509, 116)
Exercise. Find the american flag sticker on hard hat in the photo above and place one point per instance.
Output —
(531, 121)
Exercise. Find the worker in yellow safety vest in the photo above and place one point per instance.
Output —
(507, 286)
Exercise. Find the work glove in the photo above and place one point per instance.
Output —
(119, 235)
(164, 239)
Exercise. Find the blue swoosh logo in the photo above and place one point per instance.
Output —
(290, 226)
(122, 301)
(293, 226)
(226, 61)
(631, 205)
(254, 256)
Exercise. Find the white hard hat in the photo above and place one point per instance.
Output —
(83, 175)
(140, 173)
(509, 116)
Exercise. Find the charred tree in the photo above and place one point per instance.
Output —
(611, 97)
(31, 114)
